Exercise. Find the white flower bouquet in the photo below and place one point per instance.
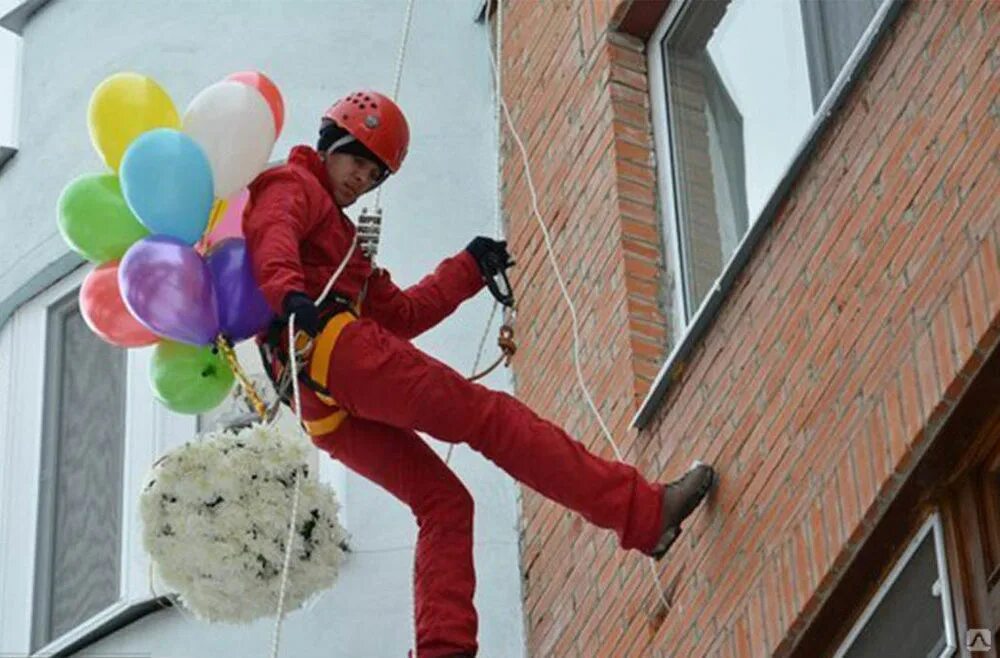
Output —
(216, 515)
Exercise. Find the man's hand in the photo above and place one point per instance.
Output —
(306, 313)
(491, 255)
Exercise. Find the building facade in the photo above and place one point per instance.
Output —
(79, 426)
(779, 224)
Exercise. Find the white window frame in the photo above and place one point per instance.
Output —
(14, 15)
(150, 430)
(932, 524)
(8, 146)
(686, 333)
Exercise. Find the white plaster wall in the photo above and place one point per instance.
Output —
(315, 51)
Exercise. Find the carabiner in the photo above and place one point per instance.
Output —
(497, 282)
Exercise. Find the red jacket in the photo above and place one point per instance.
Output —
(297, 236)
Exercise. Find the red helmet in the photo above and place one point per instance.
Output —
(376, 122)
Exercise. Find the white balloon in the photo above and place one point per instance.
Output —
(232, 122)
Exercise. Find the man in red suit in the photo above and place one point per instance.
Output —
(367, 390)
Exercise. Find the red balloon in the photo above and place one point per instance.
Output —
(105, 312)
(269, 90)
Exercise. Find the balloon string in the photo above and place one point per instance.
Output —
(248, 388)
(218, 210)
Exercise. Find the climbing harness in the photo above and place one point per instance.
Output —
(335, 313)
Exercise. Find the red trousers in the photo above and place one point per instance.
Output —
(390, 389)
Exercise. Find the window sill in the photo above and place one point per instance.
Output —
(6, 154)
(110, 621)
(675, 365)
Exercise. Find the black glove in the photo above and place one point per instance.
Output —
(306, 313)
(491, 255)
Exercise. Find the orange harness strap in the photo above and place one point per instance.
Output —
(319, 372)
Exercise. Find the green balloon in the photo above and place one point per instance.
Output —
(95, 220)
(189, 379)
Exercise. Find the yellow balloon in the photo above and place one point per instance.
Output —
(123, 107)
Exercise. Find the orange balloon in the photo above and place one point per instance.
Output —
(105, 312)
(269, 90)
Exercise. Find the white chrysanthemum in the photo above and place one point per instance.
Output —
(215, 516)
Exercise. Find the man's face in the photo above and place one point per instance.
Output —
(351, 176)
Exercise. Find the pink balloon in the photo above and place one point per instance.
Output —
(269, 91)
(231, 224)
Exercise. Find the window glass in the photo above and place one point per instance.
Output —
(908, 617)
(744, 80)
(81, 492)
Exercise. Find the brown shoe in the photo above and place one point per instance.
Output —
(680, 498)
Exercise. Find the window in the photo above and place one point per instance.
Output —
(79, 431)
(14, 15)
(972, 510)
(742, 86)
(80, 494)
(911, 614)
(10, 67)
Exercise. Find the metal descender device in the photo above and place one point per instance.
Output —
(369, 230)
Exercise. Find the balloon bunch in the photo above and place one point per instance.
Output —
(163, 227)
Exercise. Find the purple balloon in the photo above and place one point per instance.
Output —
(168, 288)
(243, 312)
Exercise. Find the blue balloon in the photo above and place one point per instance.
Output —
(167, 182)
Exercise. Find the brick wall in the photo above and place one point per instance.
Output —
(849, 335)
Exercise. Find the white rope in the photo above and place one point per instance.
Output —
(565, 294)
(497, 207)
(499, 103)
(497, 95)
(562, 283)
(401, 54)
(404, 39)
(336, 275)
(276, 636)
(398, 76)
(291, 347)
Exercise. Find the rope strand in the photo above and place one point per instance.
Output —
(498, 227)
(550, 251)
(291, 337)
(276, 636)
(398, 77)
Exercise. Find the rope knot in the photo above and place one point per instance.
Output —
(506, 343)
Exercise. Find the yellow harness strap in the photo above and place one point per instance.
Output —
(319, 372)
